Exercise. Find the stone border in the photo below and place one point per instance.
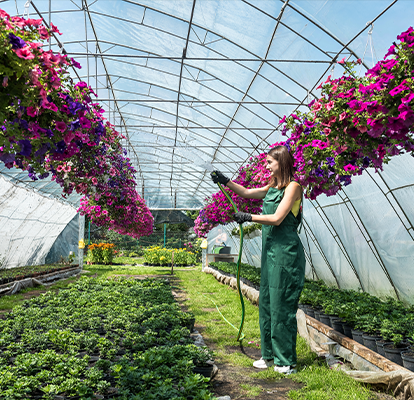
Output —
(322, 334)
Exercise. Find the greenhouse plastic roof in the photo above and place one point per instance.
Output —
(196, 82)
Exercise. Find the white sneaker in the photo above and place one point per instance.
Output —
(285, 369)
(263, 364)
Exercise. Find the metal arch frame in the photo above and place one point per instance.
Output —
(337, 238)
(199, 69)
(172, 127)
(346, 46)
(376, 253)
(333, 61)
(178, 95)
(396, 200)
(310, 261)
(205, 102)
(213, 50)
(319, 248)
(250, 84)
(110, 83)
(221, 36)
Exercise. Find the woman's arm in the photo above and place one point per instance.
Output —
(293, 192)
(257, 193)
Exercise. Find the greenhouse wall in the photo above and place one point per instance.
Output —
(30, 224)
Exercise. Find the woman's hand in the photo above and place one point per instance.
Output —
(218, 177)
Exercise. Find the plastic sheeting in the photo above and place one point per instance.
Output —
(65, 243)
(30, 224)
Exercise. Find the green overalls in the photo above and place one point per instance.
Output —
(282, 280)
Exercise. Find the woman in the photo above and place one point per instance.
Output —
(283, 259)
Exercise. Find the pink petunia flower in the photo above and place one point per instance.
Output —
(61, 126)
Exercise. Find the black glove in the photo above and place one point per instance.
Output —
(218, 177)
(241, 217)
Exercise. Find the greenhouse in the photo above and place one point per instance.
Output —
(165, 162)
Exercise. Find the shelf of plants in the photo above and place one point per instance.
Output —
(386, 327)
(101, 339)
(31, 271)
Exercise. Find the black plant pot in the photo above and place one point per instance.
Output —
(347, 329)
(309, 311)
(408, 359)
(204, 370)
(325, 319)
(393, 353)
(370, 341)
(357, 336)
(190, 324)
(318, 314)
(380, 346)
(336, 324)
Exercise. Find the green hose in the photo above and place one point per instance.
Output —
(240, 335)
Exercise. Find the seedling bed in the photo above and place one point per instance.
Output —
(101, 339)
(30, 271)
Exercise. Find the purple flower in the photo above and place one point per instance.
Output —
(75, 64)
(330, 161)
(319, 172)
(25, 147)
(16, 42)
(7, 158)
(60, 147)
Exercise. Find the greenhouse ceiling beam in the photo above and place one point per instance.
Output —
(215, 109)
(179, 92)
(365, 233)
(253, 78)
(220, 36)
(187, 146)
(209, 88)
(211, 49)
(187, 128)
(198, 127)
(201, 101)
(208, 73)
(345, 46)
(270, 60)
(325, 72)
(110, 81)
(313, 22)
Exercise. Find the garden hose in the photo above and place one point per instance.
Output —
(240, 335)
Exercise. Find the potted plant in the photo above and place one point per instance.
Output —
(202, 358)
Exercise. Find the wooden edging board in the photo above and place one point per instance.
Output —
(357, 348)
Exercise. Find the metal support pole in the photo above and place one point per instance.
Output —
(81, 240)
(89, 233)
(165, 233)
(204, 259)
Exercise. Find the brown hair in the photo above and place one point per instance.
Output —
(285, 159)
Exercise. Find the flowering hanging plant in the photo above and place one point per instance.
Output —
(51, 126)
(35, 117)
(359, 122)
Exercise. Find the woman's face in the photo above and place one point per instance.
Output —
(272, 165)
